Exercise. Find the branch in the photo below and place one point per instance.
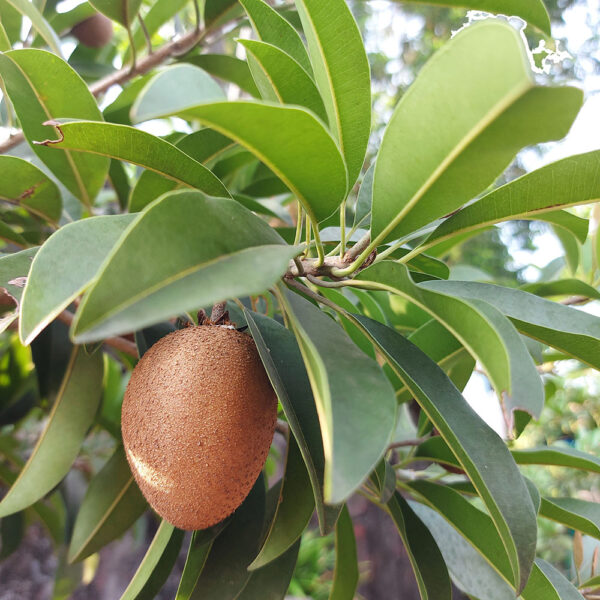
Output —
(361, 245)
(174, 48)
(118, 343)
(407, 443)
(310, 266)
(219, 312)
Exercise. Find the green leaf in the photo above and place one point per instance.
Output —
(291, 142)
(228, 68)
(67, 577)
(570, 246)
(216, 12)
(283, 363)
(362, 212)
(423, 552)
(12, 529)
(470, 571)
(386, 478)
(354, 332)
(369, 305)
(121, 11)
(422, 263)
(342, 74)
(58, 445)
(281, 79)
(193, 85)
(574, 513)
(478, 101)
(271, 582)
(572, 331)
(593, 583)
(482, 329)
(436, 341)
(118, 110)
(10, 235)
(183, 252)
(472, 523)
(200, 546)
(526, 386)
(534, 11)
(568, 182)
(140, 148)
(558, 456)
(481, 453)
(12, 22)
(160, 12)
(562, 287)
(473, 574)
(64, 267)
(294, 509)
(355, 432)
(120, 182)
(111, 505)
(569, 222)
(441, 346)
(203, 146)
(5, 44)
(156, 564)
(65, 21)
(345, 577)
(272, 28)
(561, 587)
(50, 510)
(437, 450)
(14, 269)
(226, 571)
(29, 10)
(43, 87)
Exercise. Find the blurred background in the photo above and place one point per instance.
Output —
(400, 37)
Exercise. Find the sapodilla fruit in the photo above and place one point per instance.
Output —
(198, 419)
(95, 31)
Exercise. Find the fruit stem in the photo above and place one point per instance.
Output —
(118, 343)
(219, 312)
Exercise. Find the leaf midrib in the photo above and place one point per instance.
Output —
(499, 108)
(174, 178)
(57, 403)
(103, 518)
(522, 215)
(158, 286)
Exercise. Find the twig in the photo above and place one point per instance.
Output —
(118, 343)
(354, 252)
(218, 312)
(406, 443)
(146, 33)
(308, 292)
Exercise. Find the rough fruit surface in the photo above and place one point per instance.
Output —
(95, 31)
(198, 419)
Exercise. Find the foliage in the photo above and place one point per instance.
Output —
(189, 177)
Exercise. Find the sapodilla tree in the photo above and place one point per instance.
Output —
(325, 270)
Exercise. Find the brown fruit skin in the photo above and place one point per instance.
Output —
(198, 419)
(95, 31)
